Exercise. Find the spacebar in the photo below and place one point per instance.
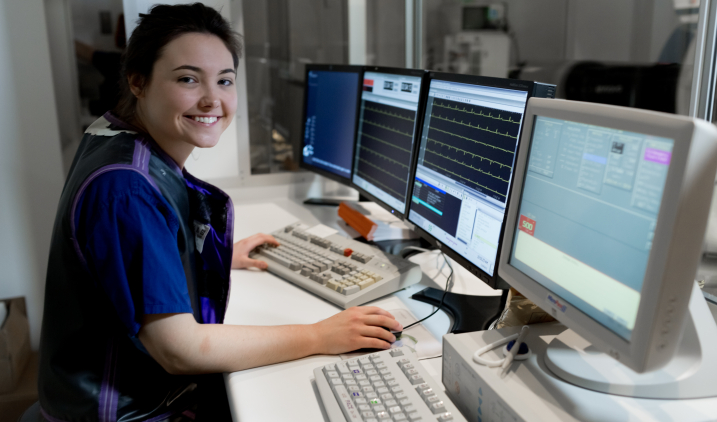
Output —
(347, 405)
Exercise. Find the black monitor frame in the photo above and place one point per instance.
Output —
(528, 86)
(419, 122)
(338, 68)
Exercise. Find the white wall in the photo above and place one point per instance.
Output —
(31, 175)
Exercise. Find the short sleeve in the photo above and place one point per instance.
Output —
(128, 234)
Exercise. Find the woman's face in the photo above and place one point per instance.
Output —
(191, 98)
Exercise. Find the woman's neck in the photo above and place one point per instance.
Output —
(179, 152)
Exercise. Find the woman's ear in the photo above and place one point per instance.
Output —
(136, 85)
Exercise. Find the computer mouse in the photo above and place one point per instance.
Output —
(395, 333)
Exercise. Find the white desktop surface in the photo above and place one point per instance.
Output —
(285, 391)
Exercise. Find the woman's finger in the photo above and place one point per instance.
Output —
(382, 321)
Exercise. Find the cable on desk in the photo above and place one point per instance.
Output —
(448, 285)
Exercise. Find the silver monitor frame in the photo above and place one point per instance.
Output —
(676, 249)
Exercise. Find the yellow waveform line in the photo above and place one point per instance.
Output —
(380, 169)
(389, 114)
(383, 156)
(362, 174)
(468, 152)
(469, 180)
(471, 167)
(387, 128)
(384, 142)
(471, 126)
(509, 120)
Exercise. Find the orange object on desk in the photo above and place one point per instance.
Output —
(359, 222)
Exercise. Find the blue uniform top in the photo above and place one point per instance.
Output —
(128, 233)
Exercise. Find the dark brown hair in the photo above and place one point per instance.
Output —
(155, 30)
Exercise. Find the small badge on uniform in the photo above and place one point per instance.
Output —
(200, 233)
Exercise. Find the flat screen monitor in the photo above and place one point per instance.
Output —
(330, 111)
(464, 166)
(606, 222)
(389, 118)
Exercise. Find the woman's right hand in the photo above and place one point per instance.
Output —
(356, 328)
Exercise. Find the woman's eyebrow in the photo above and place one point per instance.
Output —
(188, 67)
(228, 71)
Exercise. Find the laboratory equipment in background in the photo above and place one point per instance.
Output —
(483, 46)
(331, 103)
(389, 120)
(461, 184)
(606, 238)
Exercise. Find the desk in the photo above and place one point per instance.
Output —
(286, 391)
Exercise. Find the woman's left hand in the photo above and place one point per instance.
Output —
(240, 257)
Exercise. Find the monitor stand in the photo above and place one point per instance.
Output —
(471, 303)
(469, 313)
(690, 374)
(332, 202)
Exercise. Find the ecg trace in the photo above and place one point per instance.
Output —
(385, 145)
(473, 145)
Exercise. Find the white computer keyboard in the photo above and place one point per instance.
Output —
(390, 385)
(343, 271)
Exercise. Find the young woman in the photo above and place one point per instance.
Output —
(138, 277)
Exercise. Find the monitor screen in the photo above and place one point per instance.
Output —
(464, 167)
(587, 216)
(330, 120)
(386, 128)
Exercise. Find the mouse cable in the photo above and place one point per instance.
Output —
(448, 284)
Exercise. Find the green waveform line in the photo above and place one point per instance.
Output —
(471, 167)
(468, 180)
(383, 156)
(387, 128)
(472, 140)
(468, 152)
(400, 195)
(471, 126)
(385, 142)
(389, 114)
(380, 169)
(509, 120)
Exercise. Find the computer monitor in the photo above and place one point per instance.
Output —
(389, 118)
(464, 166)
(330, 112)
(605, 225)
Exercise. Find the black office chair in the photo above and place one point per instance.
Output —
(32, 414)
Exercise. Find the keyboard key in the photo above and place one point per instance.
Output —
(445, 417)
(360, 377)
(337, 381)
(364, 407)
(438, 407)
(404, 402)
(409, 408)
(371, 396)
(416, 379)
(399, 417)
(351, 290)
(414, 416)
(332, 374)
(347, 406)
(383, 390)
(395, 409)
(396, 352)
(396, 389)
(379, 383)
(368, 414)
(387, 396)
(383, 416)
(364, 383)
(350, 382)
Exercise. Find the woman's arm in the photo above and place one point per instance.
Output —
(182, 346)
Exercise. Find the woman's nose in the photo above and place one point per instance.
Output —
(209, 102)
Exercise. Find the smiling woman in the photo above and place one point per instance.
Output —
(139, 268)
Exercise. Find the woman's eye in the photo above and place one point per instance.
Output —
(226, 82)
(187, 79)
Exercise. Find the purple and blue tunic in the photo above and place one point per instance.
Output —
(134, 235)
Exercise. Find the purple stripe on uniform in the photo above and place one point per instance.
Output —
(107, 391)
(658, 156)
(48, 417)
(138, 150)
(209, 310)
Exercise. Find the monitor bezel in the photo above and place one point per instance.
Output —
(514, 84)
(677, 238)
(419, 113)
(337, 68)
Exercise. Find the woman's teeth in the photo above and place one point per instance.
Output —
(205, 119)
